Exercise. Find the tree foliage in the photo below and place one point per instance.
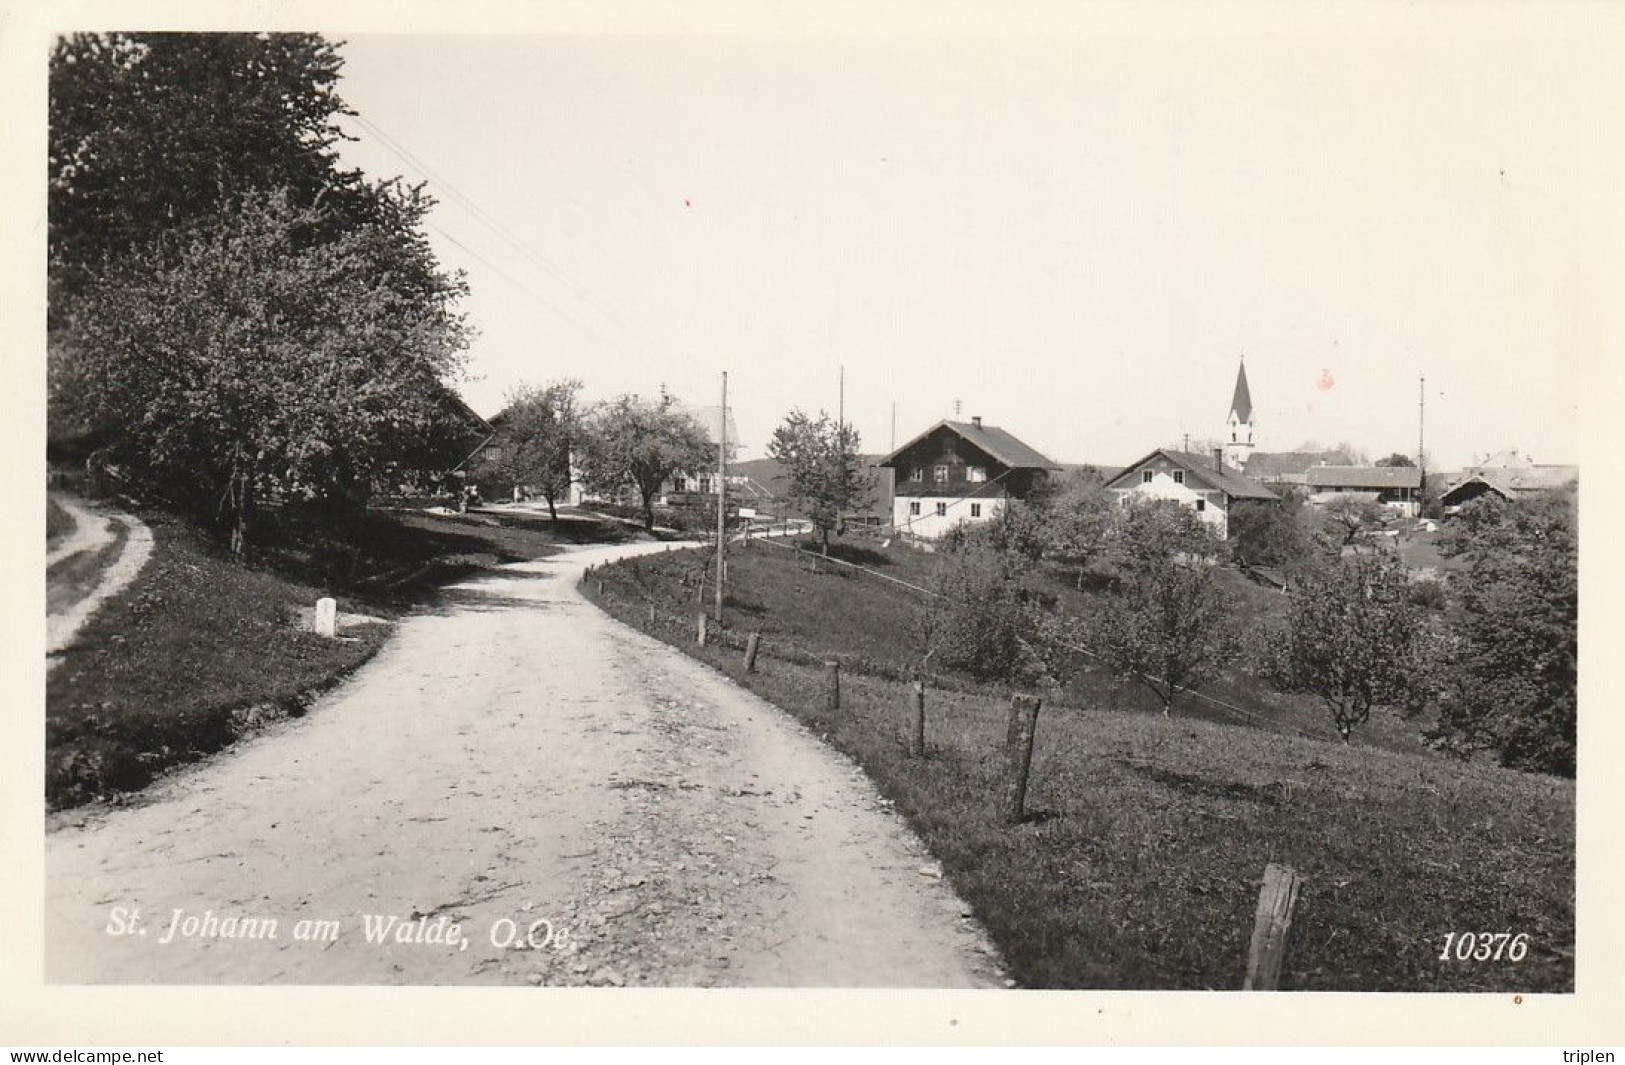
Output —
(1354, 638)
(633, 444)
(1510, 683)
(1350, 515)
(1280, 534)
(1081, 518)
(536, 431)
(1396, 459)
(982, 619)
(821, 459)
(1164, 625)
(253, 353)
(151, 132)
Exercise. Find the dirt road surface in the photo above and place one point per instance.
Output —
(535, 794)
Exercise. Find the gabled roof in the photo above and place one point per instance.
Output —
(709, 419)
(992, 440)
(1262, 465)
(1377, 477)
(1228, 480)
(1241, 404)
(1512, 483)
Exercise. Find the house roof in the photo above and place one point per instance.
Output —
(1228, 479)
(1375, 477)
(992, 440)
(1511, 483)
(1273, 464)
(709, 419)
(1241, 404)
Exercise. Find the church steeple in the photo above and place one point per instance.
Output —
(1238, 442)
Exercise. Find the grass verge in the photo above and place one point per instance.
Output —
(201, 649)
(1140, 865)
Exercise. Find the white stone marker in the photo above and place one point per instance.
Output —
(327, 617)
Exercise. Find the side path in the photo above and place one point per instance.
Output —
(92, 532)
(517, 762)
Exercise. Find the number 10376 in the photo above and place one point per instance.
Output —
(1485, 946)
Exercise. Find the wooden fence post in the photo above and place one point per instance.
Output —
(699, 630)
(1271, 924)
(1018, 741)
(917, 737)
(600, 589)
(832, 684)
(751, 647)
(651, 614)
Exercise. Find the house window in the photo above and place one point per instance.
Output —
(1179, 476)
(705, 486)
(914, 509)
(917, 474)
(976, 510)
(1201, 505)
(975, 474)
(942, 510)
(1145, 476)
(679, 483)
(941, 474)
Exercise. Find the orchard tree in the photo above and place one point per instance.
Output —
(151, 132)
(1280, 534)
(535, 433)
(1396, 459)
(253, 353)
(980, 619)
(633, 444)
(1079, 524)
(1350, 515)
(824, 467)
(1512, 685)
(1164, 625)
(1354, 638)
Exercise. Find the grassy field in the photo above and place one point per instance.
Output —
(1140, 864)
(867, 621)
(200, 649)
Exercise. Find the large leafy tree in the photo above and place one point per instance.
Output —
(635, 444)
(535, 434)
(1510, 683)
(1279, 534)
(826, 475)
(1079, 522)
(149, 132)
(1354, 638)
(253, 351)
(1164, 625)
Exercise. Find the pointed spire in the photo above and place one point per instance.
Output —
(1241, 404)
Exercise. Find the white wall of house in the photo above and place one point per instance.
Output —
(929, 517)
(1209, 503)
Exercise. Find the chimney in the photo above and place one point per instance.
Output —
(1218, 459)
(976, 420)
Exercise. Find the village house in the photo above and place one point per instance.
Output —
(685, 485)
(1398, 487)
(1509, 476)
(960, 472)
(1205, 484)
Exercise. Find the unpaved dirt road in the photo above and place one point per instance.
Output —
(516, 766)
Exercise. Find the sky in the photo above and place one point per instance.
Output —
(1074, 236)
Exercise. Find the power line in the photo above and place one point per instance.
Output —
(489, 221)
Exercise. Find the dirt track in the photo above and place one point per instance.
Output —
(516, 758)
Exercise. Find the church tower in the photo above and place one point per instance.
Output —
(1238, 428)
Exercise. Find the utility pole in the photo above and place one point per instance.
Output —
(722, 492)
(894, 425)
(1421, 421)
